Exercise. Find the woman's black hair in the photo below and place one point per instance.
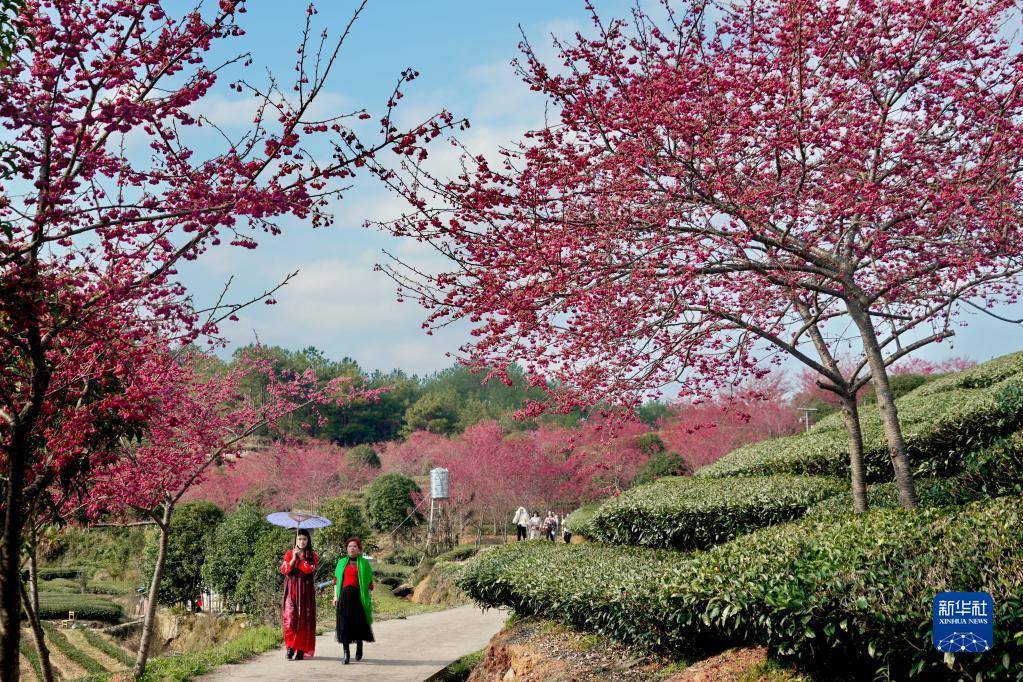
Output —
(309, 545)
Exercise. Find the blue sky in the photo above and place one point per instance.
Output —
(463, 51)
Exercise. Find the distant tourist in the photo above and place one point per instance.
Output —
(534, 526)
(298, 615)
(521, 520)
(550, 526)
(354, 581)
(566, 533)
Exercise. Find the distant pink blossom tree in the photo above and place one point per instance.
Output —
(704, 431)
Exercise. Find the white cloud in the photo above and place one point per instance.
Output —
(346, 308)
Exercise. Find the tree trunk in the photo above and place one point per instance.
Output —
(851, 415)
(10, 560)
(31, 603)
(33, 609)
(886, 406)
(154, 593)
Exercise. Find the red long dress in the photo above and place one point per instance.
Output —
(299, 612)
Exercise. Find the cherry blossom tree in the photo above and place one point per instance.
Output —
(283, 475)
(98, 106)
(733, 183)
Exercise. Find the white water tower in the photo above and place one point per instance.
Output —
(439, 483)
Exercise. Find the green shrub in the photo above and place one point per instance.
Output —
(231, 549)
(406, 556)
(57, 638)
(388, 502)
(192, 530)
(250, 643)
(347, 520)
(850, 593)
(85, 606)
(364, 455)
(661, 464)
(580, 522)
(688, 513)
(259, 589)
(942, 422)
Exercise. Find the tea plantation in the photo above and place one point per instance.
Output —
(761, 547)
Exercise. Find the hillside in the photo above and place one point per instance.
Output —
(760, 548)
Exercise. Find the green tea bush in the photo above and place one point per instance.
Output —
(112, 650)
(858, 590)
(60, 586)
(613, 590)
(580, 521)
(688, 513)
(850, 593)
(931, 492)
(942, 422)
(460, 553)
(107, 587)
(995, 470)
(60, 641)
(64, 572)
(85, 606)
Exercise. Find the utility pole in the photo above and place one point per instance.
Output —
(806, 416)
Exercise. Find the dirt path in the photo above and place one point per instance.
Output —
(408, 649)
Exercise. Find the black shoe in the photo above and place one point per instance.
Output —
(358, 651)
(289, 654)
(348, 656)
(299, 655)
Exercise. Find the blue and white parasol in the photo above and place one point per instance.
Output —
(297, 520)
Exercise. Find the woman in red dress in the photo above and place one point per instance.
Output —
(299, 612)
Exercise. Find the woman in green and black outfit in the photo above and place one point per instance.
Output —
(353, 584)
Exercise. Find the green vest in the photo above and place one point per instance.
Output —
(365, 578)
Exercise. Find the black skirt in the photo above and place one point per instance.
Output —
(351, 618)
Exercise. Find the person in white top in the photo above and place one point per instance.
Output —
(534, 526)
(521, 520)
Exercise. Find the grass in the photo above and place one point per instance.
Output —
(73, 653)
(771, 671)
(187, 666)
(109, 648)
(459, 670)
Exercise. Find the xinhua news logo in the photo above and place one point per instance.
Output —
(964, 622)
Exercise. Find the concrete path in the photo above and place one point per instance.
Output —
(407, 649)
